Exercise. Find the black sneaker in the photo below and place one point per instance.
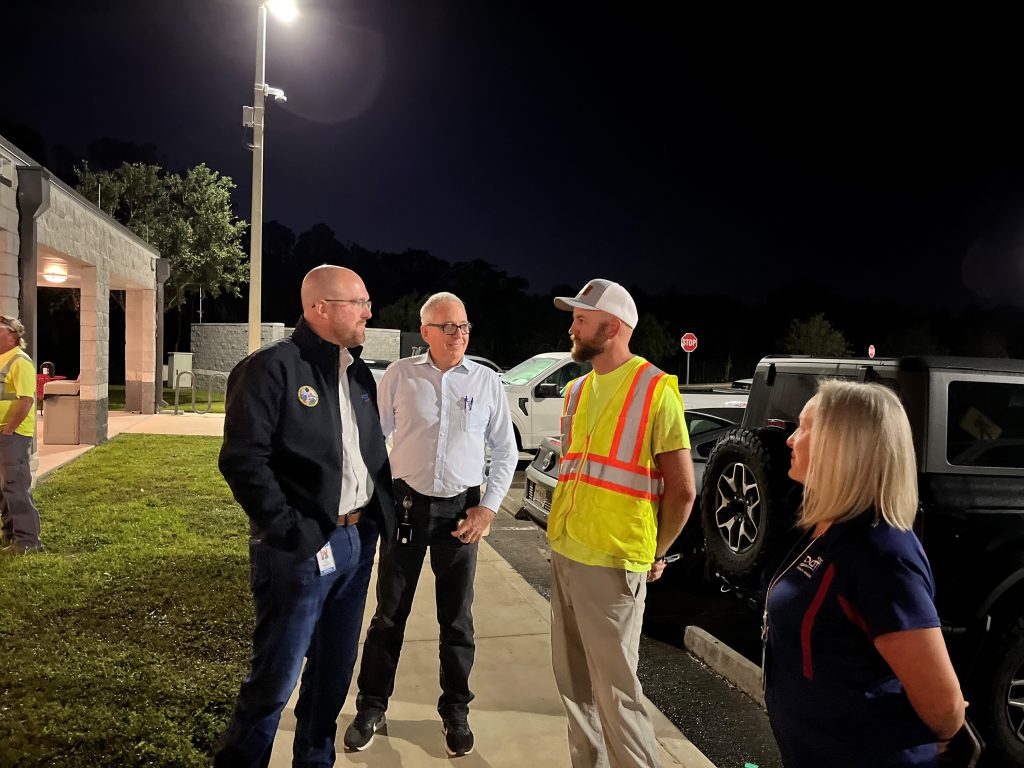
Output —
(458, 739)
(359, 735)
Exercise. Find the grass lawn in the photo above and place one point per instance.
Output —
(125, 643)
(116, 399)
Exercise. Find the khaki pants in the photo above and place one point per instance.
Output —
(596, 617)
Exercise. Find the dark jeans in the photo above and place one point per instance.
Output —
(19, 513)
(454, 567)
(300, 613)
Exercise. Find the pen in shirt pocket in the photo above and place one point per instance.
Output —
(467, 403)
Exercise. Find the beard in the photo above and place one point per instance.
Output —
(585, 351)
(353, 337)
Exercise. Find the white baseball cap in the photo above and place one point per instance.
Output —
(604, 295)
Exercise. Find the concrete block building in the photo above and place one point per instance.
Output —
(52, 236)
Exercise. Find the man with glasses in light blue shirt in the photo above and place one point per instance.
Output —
(444, 410)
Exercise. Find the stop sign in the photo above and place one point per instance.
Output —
(688, 342)
(871, 351)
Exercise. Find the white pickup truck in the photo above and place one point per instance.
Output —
(534, 389)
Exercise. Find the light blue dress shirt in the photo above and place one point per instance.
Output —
(442, 423)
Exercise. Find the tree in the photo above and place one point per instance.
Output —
(651, 339)
(403, 314)
(815, 337)
(188, 218)
(281, 278)
(914, 338)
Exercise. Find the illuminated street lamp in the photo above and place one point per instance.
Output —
(252, 117)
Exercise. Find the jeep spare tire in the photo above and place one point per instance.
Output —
(747, 502)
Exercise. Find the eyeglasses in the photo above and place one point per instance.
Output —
(448, 329)
(361, 303)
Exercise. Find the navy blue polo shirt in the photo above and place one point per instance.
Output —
(832, 699)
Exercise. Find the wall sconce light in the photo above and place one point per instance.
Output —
(55, 273)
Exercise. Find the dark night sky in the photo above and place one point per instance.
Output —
(561, 141)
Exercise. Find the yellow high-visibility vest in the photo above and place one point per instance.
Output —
(10, 394)
(609, 485)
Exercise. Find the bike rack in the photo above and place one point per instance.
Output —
(211, 378)
(177, 391)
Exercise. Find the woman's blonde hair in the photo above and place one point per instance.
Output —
(861, 457)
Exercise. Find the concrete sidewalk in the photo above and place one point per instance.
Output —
(517, 716)
(52, 456)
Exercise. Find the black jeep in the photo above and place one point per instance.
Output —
(967, 416)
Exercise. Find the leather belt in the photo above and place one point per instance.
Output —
(349, 518)
(436, 499)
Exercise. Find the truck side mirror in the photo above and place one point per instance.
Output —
(547, 389)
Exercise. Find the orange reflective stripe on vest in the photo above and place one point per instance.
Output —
(619, 471)
(629, 433)
(599, 472)
(609, 486)
(572, 400)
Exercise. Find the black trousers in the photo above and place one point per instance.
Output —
(454, 567)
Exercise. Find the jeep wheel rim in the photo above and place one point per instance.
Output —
(738, 507)
(1015, 703)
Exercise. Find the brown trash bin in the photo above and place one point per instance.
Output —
(61, 405)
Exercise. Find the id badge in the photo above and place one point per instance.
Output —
(325, 560)
(404, 533)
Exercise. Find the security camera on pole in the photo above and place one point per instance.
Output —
(689, 343)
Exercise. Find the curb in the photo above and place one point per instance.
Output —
(726, 662)
(679, 748)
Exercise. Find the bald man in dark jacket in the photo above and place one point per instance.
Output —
(304, 455)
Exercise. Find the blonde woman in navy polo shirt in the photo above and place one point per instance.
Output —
(856, 671)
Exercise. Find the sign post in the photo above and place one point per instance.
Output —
(689, 343)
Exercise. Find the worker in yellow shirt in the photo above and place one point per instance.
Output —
(17, 427)
(625, 488)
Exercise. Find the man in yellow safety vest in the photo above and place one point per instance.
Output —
(625, 488)
(17, 427)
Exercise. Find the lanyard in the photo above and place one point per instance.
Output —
(764, 618)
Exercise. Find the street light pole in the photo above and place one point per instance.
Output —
(256, 227)
(252, 117)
